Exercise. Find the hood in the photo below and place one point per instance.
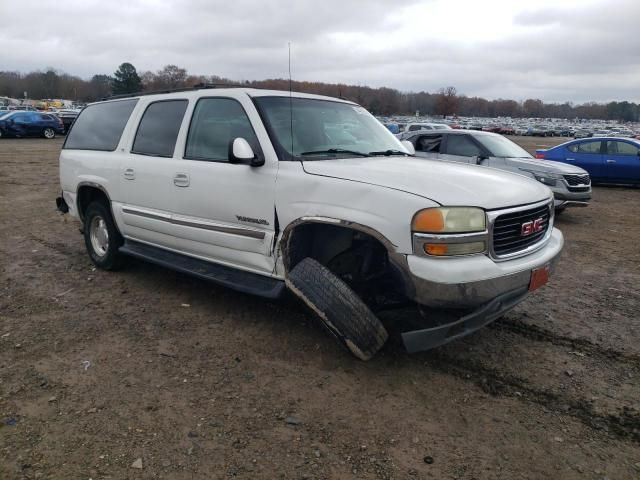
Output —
(540, 165)
(447, 183)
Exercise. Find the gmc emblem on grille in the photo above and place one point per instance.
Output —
(531, 227)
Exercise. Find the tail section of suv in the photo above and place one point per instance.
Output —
(265, 191)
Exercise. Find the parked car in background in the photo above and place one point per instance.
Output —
(539, 131)
(571, 185)
(582, 134)
(30, 124)
(67, 116)
(607, 159)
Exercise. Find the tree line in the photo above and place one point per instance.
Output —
(51, 83)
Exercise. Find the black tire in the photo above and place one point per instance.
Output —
(49, 133)
(109, 257)
(341, 311)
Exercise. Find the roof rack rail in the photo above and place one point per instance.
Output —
(198, 86)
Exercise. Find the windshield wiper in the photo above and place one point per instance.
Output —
(387, 153)
(335, 150)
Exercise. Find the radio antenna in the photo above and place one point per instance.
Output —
(290, 103)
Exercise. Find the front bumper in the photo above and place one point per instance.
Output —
(563, 197)
(485, 289)
(428, 338)
(472, 281)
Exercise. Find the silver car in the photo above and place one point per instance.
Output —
(571, 185)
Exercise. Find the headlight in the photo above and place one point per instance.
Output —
(449, 231)
(549, 179)
(449, 220)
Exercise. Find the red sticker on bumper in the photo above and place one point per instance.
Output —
(539, 277)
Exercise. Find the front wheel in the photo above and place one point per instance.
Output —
(102, 238)
(341, 311)
(49, 133)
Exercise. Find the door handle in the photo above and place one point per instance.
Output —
(610, 161)
(181, 180)
(129, 174)
(570, 159)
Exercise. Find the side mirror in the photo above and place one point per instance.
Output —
(480, 159)
(241, 152)
(409, 146)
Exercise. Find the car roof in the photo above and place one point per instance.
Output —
(232, 92)
(452, 131)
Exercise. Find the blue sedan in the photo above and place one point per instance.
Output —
(608, 160)
(30, 124)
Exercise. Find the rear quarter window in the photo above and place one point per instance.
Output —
(100, 126)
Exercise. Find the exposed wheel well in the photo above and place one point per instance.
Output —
(359, 259)
(88, 194)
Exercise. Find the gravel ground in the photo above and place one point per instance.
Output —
(146, 373)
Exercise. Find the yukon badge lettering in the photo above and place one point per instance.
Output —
(531, 227)
(259, 221)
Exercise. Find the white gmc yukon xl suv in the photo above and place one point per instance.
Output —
(269, 191)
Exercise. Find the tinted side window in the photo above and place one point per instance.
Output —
(621, 148)
(585, 147)
(99, 126)
(462, 145)
(429, 143)
(159, 127)
(20, 118)
(215, 123)
(413, 128)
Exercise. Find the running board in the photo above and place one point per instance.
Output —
(240, 280)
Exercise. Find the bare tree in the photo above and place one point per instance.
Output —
(447, 102)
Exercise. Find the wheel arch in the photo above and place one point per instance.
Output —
(88, 192)
(293, 238)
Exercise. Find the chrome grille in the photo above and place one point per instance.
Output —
(577, 180)
(507, 230)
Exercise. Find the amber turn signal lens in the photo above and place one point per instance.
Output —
(436, 248)
(430, 220)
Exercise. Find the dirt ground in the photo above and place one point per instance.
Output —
(100, 369)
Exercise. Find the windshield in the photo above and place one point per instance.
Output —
(500, 146)
(324, 129)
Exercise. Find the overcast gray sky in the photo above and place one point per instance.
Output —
(556, 50)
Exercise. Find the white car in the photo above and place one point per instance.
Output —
(267, 191)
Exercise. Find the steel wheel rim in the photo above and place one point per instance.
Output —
(99, 235)
(48, 133)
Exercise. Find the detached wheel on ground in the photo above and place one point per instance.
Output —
(49, 133)
(340, 309)
(102, 238)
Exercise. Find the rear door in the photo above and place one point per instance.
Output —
(148, 191)
(428, 146)
(587, 155)
(226, 211)
(36, 124)
(622, 161)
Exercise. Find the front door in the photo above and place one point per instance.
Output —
(226, 211)
(461, 148)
